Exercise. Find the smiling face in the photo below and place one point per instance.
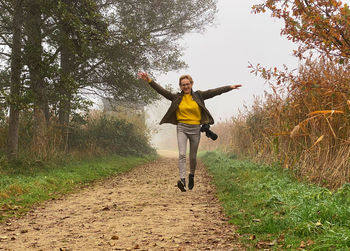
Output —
(186, 84)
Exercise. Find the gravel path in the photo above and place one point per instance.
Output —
(139, 210)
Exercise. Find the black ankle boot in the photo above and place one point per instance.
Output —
(190, 181)
(181, 184)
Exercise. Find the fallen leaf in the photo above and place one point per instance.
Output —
(256, 220)
(280, 238)
(252, 237)
(264, 244)
(310, 242)
(114, 237)
(302, 244)
(3, 238)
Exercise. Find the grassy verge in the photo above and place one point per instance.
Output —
(274, 211)
(23, 186)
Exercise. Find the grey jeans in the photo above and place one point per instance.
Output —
(192, 133)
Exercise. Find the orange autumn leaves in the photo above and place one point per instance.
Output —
(322, 25)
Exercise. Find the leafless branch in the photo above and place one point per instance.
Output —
(5, 41)
(5, 54)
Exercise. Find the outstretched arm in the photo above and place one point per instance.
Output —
(165, 93)
(217, 91)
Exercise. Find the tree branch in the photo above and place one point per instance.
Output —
(5, 41)
(93, 67)
(49, 30)
(5, 54)
(54, 56)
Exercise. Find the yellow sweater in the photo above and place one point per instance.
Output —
(188, 111)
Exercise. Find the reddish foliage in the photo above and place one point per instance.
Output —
(323, 25)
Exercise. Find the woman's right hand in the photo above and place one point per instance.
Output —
(144, 76)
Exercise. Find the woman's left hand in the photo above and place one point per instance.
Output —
(235, 86)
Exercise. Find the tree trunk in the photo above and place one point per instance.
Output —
(65, 93)
(34, 56)
(66, 85)
(16, 66)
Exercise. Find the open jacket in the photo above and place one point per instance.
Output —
(198, 97)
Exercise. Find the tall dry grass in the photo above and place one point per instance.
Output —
(228, 140)
(95, 133)
(304, 123)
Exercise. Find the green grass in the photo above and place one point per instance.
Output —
(271, 207)
(22, 186)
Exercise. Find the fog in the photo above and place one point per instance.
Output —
(220, 56)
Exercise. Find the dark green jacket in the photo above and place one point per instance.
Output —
(198, 96)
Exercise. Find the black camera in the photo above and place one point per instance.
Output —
(208, 132)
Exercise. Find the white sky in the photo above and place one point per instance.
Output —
(220, 55)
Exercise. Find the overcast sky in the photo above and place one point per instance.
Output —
(220, 55)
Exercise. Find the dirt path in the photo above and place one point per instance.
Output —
(140, 210)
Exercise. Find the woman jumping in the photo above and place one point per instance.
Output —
(187, 111)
